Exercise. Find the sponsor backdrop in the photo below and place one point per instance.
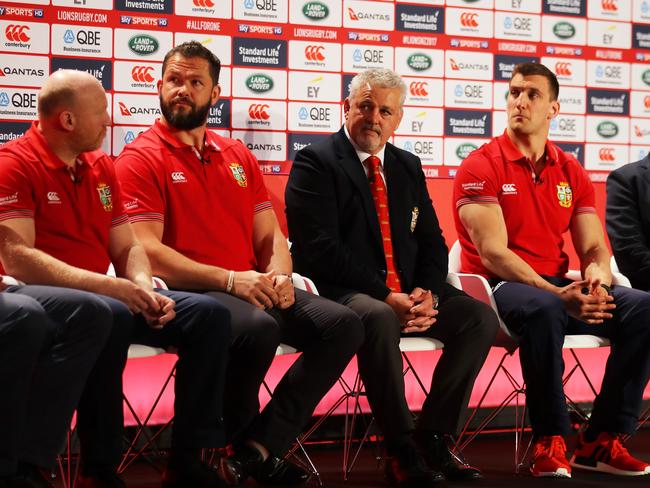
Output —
(288, 64)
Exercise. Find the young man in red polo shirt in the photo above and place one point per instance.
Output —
(62, 222)
(201, 210)
(515, 198)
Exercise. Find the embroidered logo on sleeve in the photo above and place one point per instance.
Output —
(9, 199)
(105, 196)
(239, 174)
(564, 194)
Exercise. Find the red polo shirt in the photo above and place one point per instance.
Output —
(205, 201)
(537, 210)
(72, 219)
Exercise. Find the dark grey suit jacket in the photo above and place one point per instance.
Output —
(334, 229)
(628, 220)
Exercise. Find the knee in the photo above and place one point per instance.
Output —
(381, 323)
(212, 319)
(483, 319)
(545, 315)
(93, 316)
(26, 323)
(346, 329)
(258, 334)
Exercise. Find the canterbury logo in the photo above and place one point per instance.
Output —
(454, 65)
(352, 14)
(203, 3)
(258, 111)
(53, 196)
(563, 69)
(646, 101)
(509, 188)
(468, 19)
(314, 53)
(142, 74)
(124, 110)
(419, 88)
(609, 5)
(606, 154)
(178, 177)
(17, 33)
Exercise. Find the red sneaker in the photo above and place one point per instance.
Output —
(549, 457)
(607, 455)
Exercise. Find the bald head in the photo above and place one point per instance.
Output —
(63, 91)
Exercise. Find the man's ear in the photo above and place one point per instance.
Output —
(553, 110)
(216, 91)
(67, 120)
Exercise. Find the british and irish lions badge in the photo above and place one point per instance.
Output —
(105, 196)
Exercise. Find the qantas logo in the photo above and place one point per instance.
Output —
(640, 132)
(606, 154)
(142, 74)
(468, 19)
(203, 3)
(124, 110)
(419, 88)
(646, 101)
(454, 65)
(563, 69)
(259, 111)
(352, 14)
(314, 53)
(17, 32)
(609, 5)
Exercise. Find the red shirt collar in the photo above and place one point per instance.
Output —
(45, 153)
(513, 154)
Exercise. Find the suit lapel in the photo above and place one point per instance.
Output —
(348, 159)
(396, 185)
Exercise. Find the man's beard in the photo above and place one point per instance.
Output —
(183, 120)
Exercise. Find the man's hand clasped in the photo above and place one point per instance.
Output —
(264, 290)
(592, 307)
(416, 311)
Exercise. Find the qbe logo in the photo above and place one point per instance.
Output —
(569, 71)
(567, 128)
(136, 109)
(257, 114)
(17, 70)
(508, 25)
(100, 69)
(463, 94)
(317, 117)
(420, 62)
(314, 56)
(19, 37)
(82, 41)
(428, 149)
(219, 115)
(474, 23)
(421, 121)
(261, 10)
(608, 74)
(19, 104)
(419, 19)
(425, 92)
(265, 145)
(316, 87)
(138, 77)
(297, 142)
(357, 57)
(368, 15)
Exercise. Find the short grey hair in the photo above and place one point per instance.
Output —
(381, 78)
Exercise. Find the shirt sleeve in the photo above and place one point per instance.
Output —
(261, 200)
(585, 200)
(141, 188)
(476, 182)
(16, 192)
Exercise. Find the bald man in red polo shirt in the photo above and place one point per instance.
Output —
(515, 198)
(62, 223)
(201, 210)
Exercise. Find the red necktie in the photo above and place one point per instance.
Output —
(379, 195)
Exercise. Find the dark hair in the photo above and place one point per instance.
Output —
(530, 68)
(193, 49)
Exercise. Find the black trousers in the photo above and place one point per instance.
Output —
(326, 333)
(541, 321)
(49, 341)
(467, 328)
(201, 334)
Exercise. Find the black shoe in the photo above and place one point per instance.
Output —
(191, 473)
(247, 461)
(109, 479)
(28, 476)
(405, 468)
(436, 453)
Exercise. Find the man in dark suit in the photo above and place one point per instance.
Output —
(363, 227)
(628, 220)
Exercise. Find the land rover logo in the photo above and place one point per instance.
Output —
(645, 76)
(419, 62)
(315, 10)
(259, 83)
(143, 44)
(564, 30)
(607, 129)
(463, 150)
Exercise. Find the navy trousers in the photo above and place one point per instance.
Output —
(50, 339)
(541, 321)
